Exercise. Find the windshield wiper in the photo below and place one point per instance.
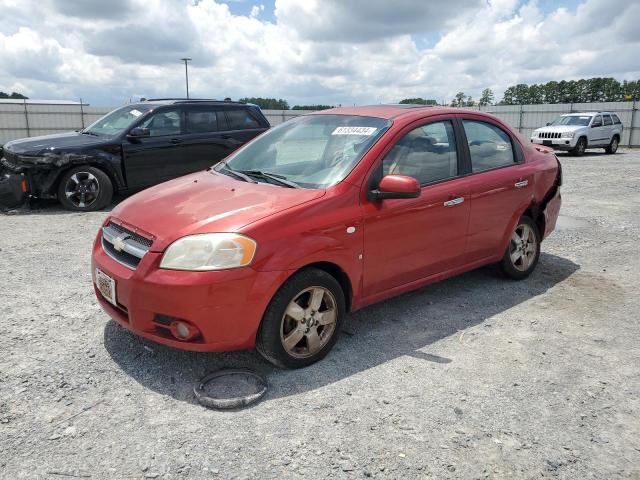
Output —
(235, 173)
(88, 132)
(281, 179)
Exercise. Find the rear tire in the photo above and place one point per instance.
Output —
(85, 189)
(523, 250)
(303, 320)
(580, 147)
(613, 146)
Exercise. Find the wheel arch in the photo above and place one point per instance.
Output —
(336, 272)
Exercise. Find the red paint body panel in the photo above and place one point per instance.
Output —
(383, 247)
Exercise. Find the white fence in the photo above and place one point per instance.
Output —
(29, 119)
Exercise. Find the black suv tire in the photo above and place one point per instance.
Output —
(85, 189)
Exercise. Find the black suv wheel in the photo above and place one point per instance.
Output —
(85, 189)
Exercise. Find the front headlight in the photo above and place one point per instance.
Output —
(568, 134)
(209, 251)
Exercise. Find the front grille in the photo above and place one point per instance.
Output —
(137, 237)
(123, 245)
(549, 134)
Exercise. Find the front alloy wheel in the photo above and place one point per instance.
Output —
(308, 322)
(82, 189)
(303, 320)
(85, 189)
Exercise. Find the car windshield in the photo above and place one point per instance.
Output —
(582, 120)
(115, 122)
(311, 151)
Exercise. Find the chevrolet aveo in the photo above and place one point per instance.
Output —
(321, 216)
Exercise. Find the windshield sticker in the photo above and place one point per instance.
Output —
(365, 131)
(135, 113)
(585, 118)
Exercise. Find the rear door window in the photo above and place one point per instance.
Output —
(607, 120)
(204, 120)
(241, 119)
(489, 146)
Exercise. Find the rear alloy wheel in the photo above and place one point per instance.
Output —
(303, 320)
(580, 147)
(613, 146)
(523, 251)
(85, 189)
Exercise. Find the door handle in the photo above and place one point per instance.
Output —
(521, 184)
(454, 202)
(176, 140)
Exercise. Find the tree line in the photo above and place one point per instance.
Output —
(13, 95)
(585, 90)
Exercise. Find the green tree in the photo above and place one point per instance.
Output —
(418, 101)
(460, 100)
(312, 107)
(267, 103)
(486, 98)
(13, 95)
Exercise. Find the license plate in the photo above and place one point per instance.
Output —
(106, 285)
(547, 142)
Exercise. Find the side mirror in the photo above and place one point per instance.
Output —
(139, 132)
(396, 186)
(548, 123)
(594, 125)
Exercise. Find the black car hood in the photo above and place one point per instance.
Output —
(56, 143)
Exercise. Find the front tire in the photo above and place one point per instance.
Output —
(580, 147)
(523, 251)
(85, 189)
(303, 320)
(613, 146)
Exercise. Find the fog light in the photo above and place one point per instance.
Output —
(183, 331)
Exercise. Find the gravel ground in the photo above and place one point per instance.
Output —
(474, 377)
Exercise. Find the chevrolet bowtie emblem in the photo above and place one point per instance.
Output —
(118, 242)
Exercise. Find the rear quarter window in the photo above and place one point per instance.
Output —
(616, 120)
(241, 119)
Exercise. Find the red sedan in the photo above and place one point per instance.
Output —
(320, 216)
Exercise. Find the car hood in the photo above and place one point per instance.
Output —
(204, 202)
(560, 128)
(51, 143)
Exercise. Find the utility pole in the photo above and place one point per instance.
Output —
(186, 73)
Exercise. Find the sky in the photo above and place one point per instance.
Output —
(309, 52)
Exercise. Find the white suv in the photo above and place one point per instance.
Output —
(576, 132)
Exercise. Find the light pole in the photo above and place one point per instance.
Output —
(186, 72)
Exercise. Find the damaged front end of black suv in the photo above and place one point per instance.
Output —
(29, 169)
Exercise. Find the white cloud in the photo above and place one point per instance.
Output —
(315, 51)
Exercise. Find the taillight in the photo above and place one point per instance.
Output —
(23, 186)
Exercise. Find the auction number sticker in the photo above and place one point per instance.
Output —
(135, 113)
(365, 131)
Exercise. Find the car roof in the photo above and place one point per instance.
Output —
(577, 114)
(389, 111)
(199, 101)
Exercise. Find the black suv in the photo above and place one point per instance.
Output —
(131, 148)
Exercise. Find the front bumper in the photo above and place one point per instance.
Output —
(226, 306)
(556, 143)
(13, 189)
